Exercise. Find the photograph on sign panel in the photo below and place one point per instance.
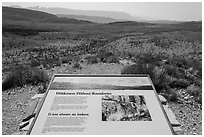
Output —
(100, 85)
(125, 108)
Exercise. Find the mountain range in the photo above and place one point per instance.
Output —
(18, 14)
(94, 15)
(96, 19)
(63, 15)
(98, 16)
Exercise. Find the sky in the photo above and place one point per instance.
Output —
(180, 11)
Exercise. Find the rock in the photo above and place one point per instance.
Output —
(194, 128)
(37, 96)
(186, 98)
(162, 99)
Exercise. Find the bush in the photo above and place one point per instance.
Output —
(56, 63)
(197, 67)
(51, 62)
(179, 83)
(92, 60)
(66, 60)
(77, 65)
(193, 90)
(112, 59)
(160, 79)
(174, 71)
(34, 63)
(25, 75)
(150, 58)
(157, 75)
(139, 69)
(179, 61)
(170, 95)
(103, 55)
(196, 92)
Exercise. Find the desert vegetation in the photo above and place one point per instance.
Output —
(25, 75)
(169, 55)
(172, 59)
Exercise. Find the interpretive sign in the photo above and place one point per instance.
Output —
(101, 105)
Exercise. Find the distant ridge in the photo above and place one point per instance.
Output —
(99, 16)
(165, 21)
(96, 19)
(19, 14)
(96, 13)
(192, 24)
(121, 23)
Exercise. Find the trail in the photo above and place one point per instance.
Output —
(101, 68)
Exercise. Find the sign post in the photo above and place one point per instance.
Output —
(101, 105)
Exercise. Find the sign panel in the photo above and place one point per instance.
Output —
(101, 105)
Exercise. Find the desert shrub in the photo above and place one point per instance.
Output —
(103, 55)
(127, 54)
(170, 94)
(160, 79)
(174, 71)
(51, 62)
(197, 67)
(179, 61)
(193, 90)
(139, 69)
(76, 65)
(112, 59)
(150, 58)
(46, 66)
(171, 70)
(157, 75)
(56, 63)
(42, 88)
(24, 75)
(198, 82)
(92, 59)
(179, 83)
(66, 60)
(196, 92)
(159, 41)
(35, 63)
(76, 58)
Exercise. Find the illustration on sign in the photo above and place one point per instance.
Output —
(125, 108)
